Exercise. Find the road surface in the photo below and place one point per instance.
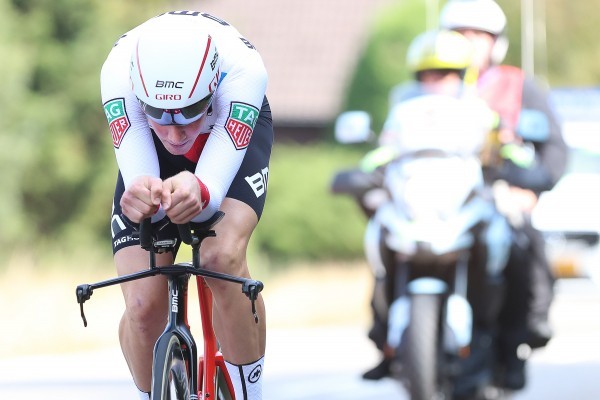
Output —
(326, 362)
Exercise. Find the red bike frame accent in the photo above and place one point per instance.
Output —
(212, 357)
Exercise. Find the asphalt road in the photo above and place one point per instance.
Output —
(326, 362)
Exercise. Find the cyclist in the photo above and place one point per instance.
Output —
(512, 94)
(184, 95)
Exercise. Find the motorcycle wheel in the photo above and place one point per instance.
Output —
(422, 350)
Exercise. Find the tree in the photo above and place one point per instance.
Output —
(56, 149)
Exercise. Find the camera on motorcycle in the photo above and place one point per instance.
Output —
(353, 127)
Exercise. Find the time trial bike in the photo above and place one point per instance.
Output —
(178, 372)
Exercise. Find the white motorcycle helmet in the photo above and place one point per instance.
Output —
(174, 70)
(482, 15)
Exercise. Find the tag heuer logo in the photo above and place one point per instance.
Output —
(240, 124)
(118, 121)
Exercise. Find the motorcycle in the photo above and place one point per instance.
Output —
(435, 241)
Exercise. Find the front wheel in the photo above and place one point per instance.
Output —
(422, 349)
(170, 374)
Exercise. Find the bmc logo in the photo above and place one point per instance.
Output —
(169, 84)
(258, 182)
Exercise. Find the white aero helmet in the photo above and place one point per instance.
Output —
(174, 70)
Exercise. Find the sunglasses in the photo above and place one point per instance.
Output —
(180, 116)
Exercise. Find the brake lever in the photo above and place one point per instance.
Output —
(252, 289)
(84, 292)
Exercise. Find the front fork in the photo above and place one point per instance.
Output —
(177, 323)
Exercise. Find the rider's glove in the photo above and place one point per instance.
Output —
(523, 156)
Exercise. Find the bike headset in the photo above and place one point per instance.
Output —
(174, 70)
(442, 50)
(479, 15)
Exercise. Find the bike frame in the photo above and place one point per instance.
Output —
(212, 358)
(205, 368)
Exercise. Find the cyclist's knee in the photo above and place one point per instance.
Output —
(145, 308)
(225, 256)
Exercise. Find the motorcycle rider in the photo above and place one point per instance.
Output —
(441, 63)
(512, 94)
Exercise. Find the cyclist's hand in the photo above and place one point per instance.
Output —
(142, 199)
(181, 197)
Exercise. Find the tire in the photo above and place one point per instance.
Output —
(422, 349)
(170, 375)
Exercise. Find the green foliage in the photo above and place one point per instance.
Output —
(55, 148)
(302, 218)
(382, 65)
(570, 56)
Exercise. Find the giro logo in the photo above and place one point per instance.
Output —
(258, 181)
(255, 374)
(168, 97)
(240, 123)
(118, 121)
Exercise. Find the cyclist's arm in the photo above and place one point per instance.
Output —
(132, 139)
(237, 104)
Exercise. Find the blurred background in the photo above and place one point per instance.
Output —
(323, 57)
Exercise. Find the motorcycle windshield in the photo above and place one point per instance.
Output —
(435, 188)
(436, 179)
(434, 204)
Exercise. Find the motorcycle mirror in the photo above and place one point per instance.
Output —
(353, 127)
(533, 125)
